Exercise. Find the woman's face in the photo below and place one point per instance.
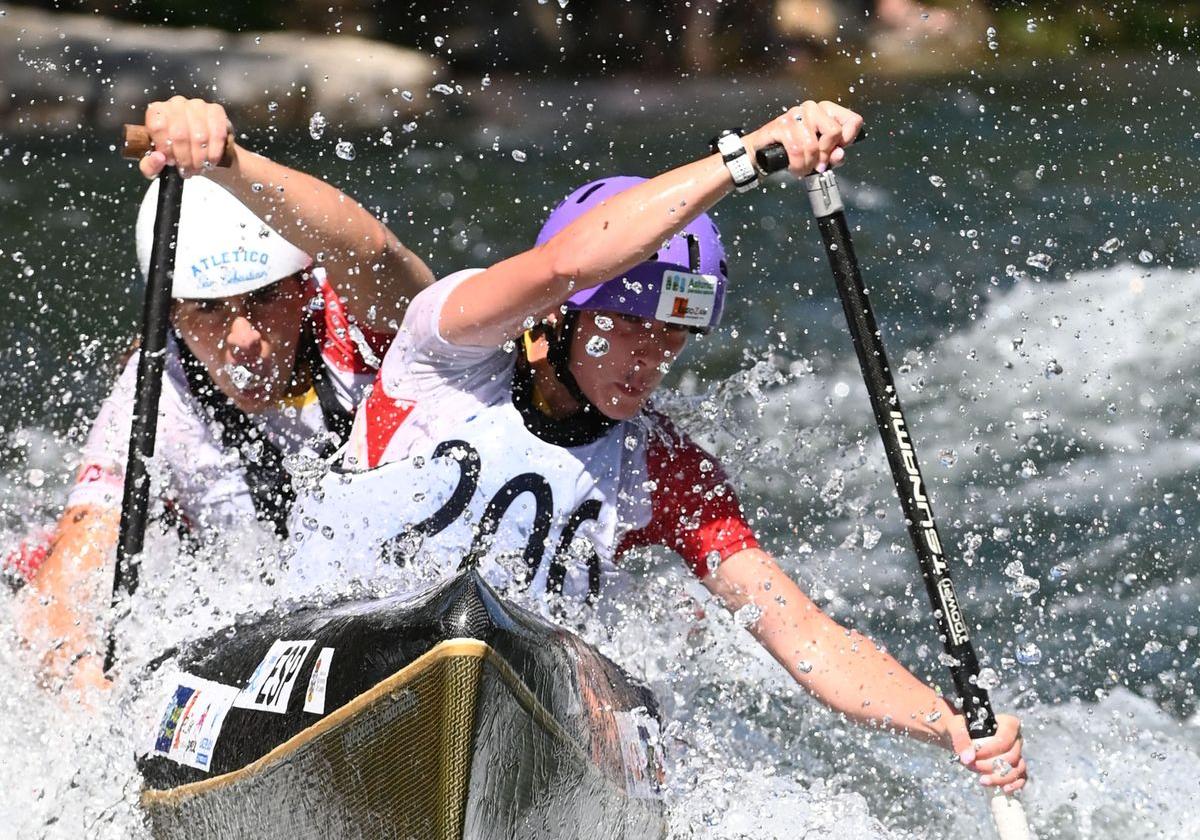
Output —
(620, 360)
(248, 343)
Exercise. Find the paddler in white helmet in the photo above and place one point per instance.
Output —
(510, 431)
(270, 350)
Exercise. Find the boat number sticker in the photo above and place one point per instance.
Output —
(314, 698)
(270, 686)
(192, 719)
(641, 753)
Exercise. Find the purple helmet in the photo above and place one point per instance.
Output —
(684, 283)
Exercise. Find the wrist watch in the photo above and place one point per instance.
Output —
(729, 145)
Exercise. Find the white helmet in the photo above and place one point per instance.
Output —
(224, 249)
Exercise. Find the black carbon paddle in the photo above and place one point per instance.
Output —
(1007, 811)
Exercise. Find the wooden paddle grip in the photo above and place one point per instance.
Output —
(135, 143)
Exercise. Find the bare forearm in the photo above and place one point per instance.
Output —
(70, 593)
(625, 230)
(601, 244)
(367, 263)
(842, 668)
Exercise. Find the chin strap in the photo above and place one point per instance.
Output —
(544, 345)
(559, 358)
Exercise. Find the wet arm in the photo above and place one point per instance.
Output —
(608, 240)
(368, 265)
(72, 590)
(842, 668)
(493, 305)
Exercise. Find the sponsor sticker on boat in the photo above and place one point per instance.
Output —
(270, 685)
(641, 753)
(314, 698)
(687, 299)
(191, 721)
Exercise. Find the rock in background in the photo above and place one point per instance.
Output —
(64, 72)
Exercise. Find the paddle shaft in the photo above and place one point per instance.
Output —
(156, 312)
(1007, 812)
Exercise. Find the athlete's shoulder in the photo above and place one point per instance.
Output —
(671, 450)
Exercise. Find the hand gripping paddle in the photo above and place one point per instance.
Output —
(156, 311)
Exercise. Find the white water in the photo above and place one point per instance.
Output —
(751, 756)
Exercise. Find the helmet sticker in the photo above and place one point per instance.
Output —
(687, 299)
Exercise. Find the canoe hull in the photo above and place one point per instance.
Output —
(506, 727)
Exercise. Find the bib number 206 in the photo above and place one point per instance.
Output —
(403, 545)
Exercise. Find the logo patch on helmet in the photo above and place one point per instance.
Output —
(687, 299)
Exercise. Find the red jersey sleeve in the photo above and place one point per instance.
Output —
(337, 340)
(694, 510)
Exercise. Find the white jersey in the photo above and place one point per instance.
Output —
(442, 471)
(206, 482)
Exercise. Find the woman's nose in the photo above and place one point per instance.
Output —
(244, 340)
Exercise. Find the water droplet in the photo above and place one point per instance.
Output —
(240, 375)
(712, 559)
(1145, 257)
(1024, 586)
(988, 679)
(443, 88)
(35, 477)
(1029, 654)
(1002, 535)
(748, 614)
(386, 139)
(597, 346)
(406, 95)
(256, 187)
(1053, 369)
(937, 180)
(438, 40)
(316, 125)
(948, 457)
(841, 389)
(518, 155)
(1042, 262)
(870, 537)
(604, 323)
(344, 150)
(804, 666)
(1060, 571)
(486, 81)
(1110, 246)
(1031, 25)
(272, 106)
(834, 487)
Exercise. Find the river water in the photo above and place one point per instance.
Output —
(1028, 236)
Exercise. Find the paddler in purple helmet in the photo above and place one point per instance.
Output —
(509, 429)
